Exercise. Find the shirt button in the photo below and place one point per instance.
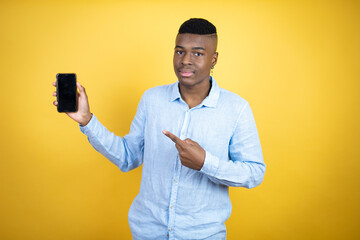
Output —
(170, 229)
(175, 181)
(171, 206)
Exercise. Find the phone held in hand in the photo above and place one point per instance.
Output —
(66, 92)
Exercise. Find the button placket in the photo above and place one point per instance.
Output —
(174, 188)
(185, 126)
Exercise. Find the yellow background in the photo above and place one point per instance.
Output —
(296, 62)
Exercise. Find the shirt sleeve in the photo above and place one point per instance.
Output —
(127, 152)
(245, 166)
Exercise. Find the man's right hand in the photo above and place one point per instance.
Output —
(83, 114)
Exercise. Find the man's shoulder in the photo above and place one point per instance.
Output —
(161, 88)
(158, 92)
(228, 97)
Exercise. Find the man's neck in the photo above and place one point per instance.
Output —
(194, 95)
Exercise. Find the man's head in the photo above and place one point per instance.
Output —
(195, 51)
(197, 26)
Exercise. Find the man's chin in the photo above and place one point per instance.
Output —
(192, 81)
(187, 81)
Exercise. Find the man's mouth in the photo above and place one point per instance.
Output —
(185, 73)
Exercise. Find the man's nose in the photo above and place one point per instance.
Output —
(186, 60)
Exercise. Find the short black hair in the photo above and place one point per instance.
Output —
(197, 26)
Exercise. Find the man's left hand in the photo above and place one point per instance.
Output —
(190, 153)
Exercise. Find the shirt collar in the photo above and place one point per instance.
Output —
(210, 101)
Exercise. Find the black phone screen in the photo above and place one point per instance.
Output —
(66, 92)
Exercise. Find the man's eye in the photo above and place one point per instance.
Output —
(197, 54)
(179, 52)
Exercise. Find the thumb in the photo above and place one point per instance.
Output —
(81, 88)
(189, 141)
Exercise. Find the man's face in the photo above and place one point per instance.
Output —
(193, 58)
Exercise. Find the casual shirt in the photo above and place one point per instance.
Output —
(176, 202)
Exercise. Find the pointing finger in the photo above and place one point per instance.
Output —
(174, 138)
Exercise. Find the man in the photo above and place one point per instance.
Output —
(194, 140)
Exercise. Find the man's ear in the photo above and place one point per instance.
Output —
(214, 59)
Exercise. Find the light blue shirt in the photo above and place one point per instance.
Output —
(176, 202)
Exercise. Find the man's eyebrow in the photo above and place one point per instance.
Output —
(194, 48)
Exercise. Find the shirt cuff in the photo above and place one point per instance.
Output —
(89, 128)
(211, 164)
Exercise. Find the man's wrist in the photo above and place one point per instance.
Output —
(86, 120)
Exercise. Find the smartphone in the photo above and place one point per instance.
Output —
(66, 92)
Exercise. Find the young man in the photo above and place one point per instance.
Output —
(194, 140)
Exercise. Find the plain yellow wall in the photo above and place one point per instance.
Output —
(296, 62)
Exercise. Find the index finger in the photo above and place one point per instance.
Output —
(173, 137)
